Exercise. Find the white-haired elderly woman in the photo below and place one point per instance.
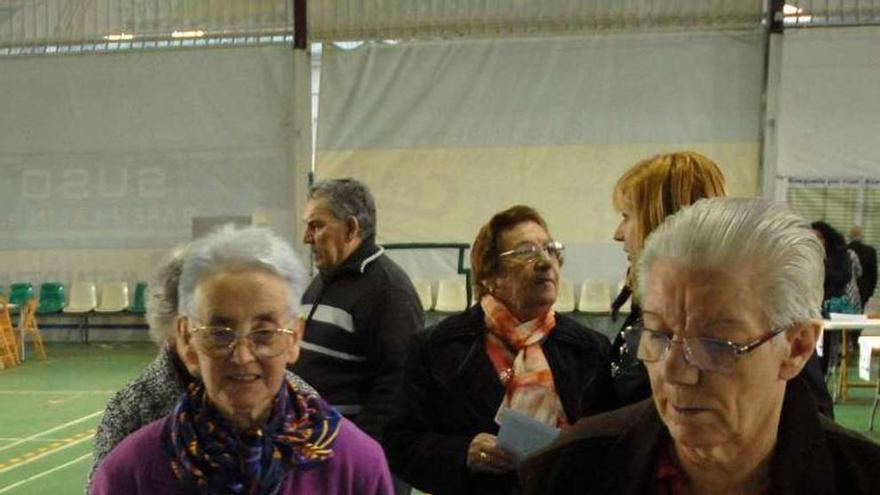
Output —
(155, 391)
(243, 427)
(731, 295)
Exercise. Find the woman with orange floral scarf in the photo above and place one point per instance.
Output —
(511, 350)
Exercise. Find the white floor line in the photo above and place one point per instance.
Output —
(61, 427)
(44, 454)
(56, 392)
(44, 473)
(19, 439)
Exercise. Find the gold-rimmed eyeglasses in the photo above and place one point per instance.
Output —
(531, 251)
(219, 341)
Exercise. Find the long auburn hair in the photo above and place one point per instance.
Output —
(657, 187)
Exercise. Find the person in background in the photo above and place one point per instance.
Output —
(509, 351)
(154, 392)
(646, 195)
(242, 426)
(731, 290)
(360, 310)
(868, 259)
(842, 269)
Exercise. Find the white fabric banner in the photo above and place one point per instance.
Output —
(829, 115)
(813, 182)
(447, 133)
(121, 151)
(106, 158)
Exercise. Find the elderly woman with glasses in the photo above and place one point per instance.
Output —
(510, 351)
(155, 391)
(242, 426)
(731, 290)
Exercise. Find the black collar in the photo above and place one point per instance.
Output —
(800, 461)
(357, 261)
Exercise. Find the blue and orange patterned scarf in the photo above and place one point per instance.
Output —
(206, 453)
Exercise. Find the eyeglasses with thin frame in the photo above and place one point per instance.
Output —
(531, 251)
(704, 353)
(219, 342)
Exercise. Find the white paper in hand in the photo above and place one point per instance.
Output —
(521, 435)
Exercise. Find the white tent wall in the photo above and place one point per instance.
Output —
(107, 158)
(829, 116)
(446, 133)
(827, 163)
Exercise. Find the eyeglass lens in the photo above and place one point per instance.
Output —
(220, 341)
(705, 354)
(552, 248)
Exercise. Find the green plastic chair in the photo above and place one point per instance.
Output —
(20, 293)
(139, 301)
(51, 298)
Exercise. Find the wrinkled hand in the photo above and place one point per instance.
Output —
(484, 455)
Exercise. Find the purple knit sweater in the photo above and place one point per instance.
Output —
(138, 465)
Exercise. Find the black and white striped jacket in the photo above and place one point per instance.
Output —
(360, 319)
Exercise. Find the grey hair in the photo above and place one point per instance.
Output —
(162, 298)
(768, 238)
(249, 247)
(348, 198)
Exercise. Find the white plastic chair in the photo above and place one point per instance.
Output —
(451, 296)
(426, 296)
(595, 297)
(565, 297)
(83, 298)
(114, 297)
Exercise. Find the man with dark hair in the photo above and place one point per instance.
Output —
(868, 258)
(360, 310)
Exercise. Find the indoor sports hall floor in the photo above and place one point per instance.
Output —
(49, 411)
